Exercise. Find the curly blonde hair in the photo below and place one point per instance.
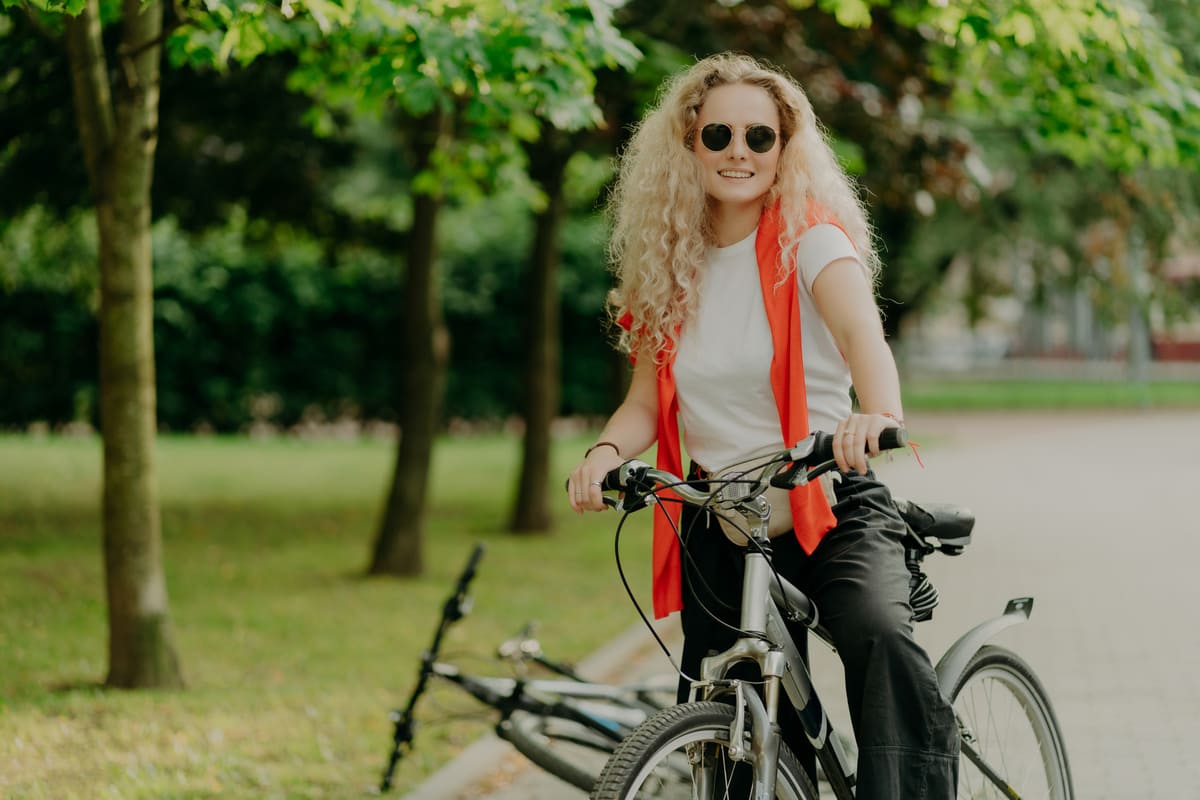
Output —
(659, 208)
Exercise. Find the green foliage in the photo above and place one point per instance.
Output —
(228, 138)
(72, 7)
(497, 67)
(40, 157)
(486, 248)
(1100, 82)
(257, 322)
(47, 318)
(223, 33)
(1025, 73)
(39, 251)
(1064, 226)
(849, 13)
(253, 323)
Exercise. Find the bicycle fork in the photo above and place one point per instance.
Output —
(762, 754)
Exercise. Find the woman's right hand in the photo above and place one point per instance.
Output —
(631, 428)
(583, 485)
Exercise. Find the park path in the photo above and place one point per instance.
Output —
(1095, 515)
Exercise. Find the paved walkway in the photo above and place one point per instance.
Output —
(1094, 514)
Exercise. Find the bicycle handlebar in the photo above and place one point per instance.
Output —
(786, 469)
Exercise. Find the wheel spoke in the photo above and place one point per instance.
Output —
(696, 735)
(1007, 721)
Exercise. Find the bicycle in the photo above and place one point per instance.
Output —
(1011, 743)
(566, 725)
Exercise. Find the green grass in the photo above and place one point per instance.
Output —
(291, 657)
(1000, 394)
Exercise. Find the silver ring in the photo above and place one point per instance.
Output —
(597, 483)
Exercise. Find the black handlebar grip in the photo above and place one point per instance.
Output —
(611, 482)
(889, 439)
(893, 438)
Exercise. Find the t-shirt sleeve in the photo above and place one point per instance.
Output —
(819, 247)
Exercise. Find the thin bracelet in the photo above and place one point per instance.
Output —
(602, 444)
(898, 420)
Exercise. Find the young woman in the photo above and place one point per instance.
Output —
(745, 269)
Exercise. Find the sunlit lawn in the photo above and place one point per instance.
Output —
(291, 657)
(962, 395)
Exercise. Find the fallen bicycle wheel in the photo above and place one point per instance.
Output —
(563, 747)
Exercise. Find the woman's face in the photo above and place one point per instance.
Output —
(736, 174)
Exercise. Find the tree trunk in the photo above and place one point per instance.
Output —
(1140, 349)
(119, 134)
(547, 165)
(425, 350)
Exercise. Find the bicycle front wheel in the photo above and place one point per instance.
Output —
(563, 747)
(1011, 739)
(683, 752)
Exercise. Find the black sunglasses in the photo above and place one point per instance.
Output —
(716, 136)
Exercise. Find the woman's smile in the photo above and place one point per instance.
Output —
(739, 165)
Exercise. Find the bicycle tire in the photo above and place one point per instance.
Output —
(563, 747)
(650, 762)
(1006, 716)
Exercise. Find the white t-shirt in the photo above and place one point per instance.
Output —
(722, 367)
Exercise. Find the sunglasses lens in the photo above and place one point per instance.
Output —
(716, 136)
(760, 138)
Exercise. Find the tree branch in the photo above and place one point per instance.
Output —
(39, 25)
(90, 90)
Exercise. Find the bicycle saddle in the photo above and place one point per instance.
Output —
(950, 525)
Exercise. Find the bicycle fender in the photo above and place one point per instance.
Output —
(954, 661)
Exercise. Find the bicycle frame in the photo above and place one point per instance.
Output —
(611, 711)
(567, 698)
(769, 644)
(763, 594)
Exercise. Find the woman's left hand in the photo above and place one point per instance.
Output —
(856, 437)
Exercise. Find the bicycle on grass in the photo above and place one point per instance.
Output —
(566, 725)
(1010, 739)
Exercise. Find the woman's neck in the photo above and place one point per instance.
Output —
(731, 224)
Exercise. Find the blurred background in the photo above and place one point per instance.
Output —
(296, 274)
(1031, 174)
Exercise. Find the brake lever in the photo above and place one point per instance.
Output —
(637, 487)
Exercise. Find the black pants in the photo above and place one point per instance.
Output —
(905, 729)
